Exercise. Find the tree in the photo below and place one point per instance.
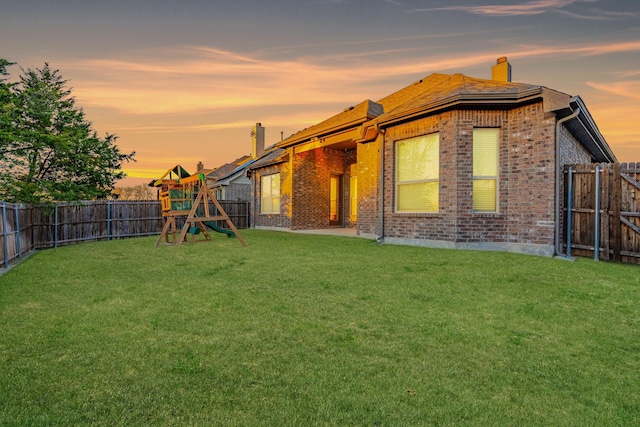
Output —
(138, 192)
(7, 111)
(50, 151)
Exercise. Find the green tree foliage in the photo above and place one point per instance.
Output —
(48, 149)
(7, 107)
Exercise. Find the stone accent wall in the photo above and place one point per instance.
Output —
(283, 219)
(525, 218)
(311, 192)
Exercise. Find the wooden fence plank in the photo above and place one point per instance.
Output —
(67, 223)
(619, 208)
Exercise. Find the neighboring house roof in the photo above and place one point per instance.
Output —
(227, 168)
(225, 174)
(235, 173)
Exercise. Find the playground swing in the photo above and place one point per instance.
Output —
(188, 196)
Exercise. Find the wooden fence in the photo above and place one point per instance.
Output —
(602, 211)
(25, 228)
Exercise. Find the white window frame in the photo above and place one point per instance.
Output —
(432, 138)
(266, 182)
(495, 177)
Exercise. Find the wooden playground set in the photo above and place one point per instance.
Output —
(185, 195)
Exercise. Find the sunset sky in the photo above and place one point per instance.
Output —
(184, 81)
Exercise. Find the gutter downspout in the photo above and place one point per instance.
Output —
(559, 123)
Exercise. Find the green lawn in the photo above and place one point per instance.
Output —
(316, 330)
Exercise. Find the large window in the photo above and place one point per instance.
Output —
(485, 169)
(270, 190)
(417, 174)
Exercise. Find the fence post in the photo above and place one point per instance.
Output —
(108, 219)
(5, 246)
(615, 220)
(15, 207)
(55, 227)
(569, 210)
(596, 238)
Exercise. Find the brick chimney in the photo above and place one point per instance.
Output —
(200, 166)
(502, 70)
(257, 141)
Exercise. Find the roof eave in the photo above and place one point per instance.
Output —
(493, 100)
(284, 157)
(585, 129)
(324, 132)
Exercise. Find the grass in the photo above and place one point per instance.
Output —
(316, 330)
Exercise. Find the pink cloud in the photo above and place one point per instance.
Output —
(535, 7)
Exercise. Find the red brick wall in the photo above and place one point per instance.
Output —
(368, 188)
(283, 219)
(526, 183)
(531, 176)
(526, 193)
(311, 177)
(431, 226)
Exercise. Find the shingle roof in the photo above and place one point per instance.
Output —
(440, 89)
(227, 168)
(272, 156)
(432, 93)
(352, 116)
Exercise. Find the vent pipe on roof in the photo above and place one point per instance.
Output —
(501, 72)
(257, 141)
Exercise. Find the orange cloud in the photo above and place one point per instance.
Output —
(212, 79)
(627, 89)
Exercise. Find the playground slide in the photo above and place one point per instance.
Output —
(212, 226)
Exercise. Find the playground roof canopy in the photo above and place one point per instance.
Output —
(176, 172)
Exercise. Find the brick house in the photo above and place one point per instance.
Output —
(448, 161)
(231, 184)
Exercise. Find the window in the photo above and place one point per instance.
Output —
(417, 174)
(218, 193)
(270, 190)
(485, 169)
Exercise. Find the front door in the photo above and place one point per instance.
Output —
(335, 205)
